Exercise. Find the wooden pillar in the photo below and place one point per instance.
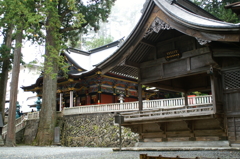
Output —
(186, 99)
(99, 97)
(113, 98)
(88, 100)
(71, 99)
(60, 102)
(140, 97)
(213, 90)
(140, 103)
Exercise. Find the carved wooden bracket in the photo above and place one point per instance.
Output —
(202, 41)
(156, 26)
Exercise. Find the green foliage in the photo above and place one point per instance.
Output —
(65, 21)
(216, 8)
(97, 42)
(198, 93)
(17, 14)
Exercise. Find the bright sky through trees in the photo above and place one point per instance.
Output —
(121, 23)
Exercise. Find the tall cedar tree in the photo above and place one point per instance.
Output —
(216, 8)
(5, 65)
(65, 19)
(18, 15)
(5, 56)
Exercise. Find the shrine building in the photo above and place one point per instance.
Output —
(177, 47)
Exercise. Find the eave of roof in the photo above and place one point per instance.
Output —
(133, 35)
(203, 25)
(73, 62)
(79, 51)
(113, 44)
(192, 20)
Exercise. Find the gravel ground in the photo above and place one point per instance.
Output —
(32, 152)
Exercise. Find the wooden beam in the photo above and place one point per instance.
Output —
(226, 53)
(157, 120)
(171, 40)
(199, 89)
(187, 54)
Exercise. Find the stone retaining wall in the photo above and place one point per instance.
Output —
(30, 131)
(94, 130)
(19, 136)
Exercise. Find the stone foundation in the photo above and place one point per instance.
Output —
(19, 136)
(30, 131)
(95, 130)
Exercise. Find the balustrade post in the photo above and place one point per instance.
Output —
(60, 102)
(71, 99)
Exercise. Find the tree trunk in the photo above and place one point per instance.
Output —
(10, 139)
(47, 121)
(4, 74)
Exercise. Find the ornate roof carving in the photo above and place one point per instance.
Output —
(156, 26)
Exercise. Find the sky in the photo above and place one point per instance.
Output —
(120, 13)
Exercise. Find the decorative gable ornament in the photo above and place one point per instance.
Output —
(202, 41)
(156, 26)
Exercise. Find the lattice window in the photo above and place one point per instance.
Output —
(232, 80)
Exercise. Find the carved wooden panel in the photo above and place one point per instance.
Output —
(232, 80)
(231, 86)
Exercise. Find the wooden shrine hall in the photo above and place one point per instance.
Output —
(86, 85)
(177, 46)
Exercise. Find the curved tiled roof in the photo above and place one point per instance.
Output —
(176, 16)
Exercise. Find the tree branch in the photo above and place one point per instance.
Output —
(72, 28)
(63, 14)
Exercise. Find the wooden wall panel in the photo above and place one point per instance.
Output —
(232, 102)
(128, 99)
(105, 98)
(151, 72)
(201, 61)
(233, 129)
(175, 68)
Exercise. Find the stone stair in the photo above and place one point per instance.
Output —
(20, 124)
(1, 141)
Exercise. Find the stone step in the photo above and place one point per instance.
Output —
(1, 141)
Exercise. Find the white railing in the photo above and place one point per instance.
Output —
(131, 106)
(20, 124)
(33, 115)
